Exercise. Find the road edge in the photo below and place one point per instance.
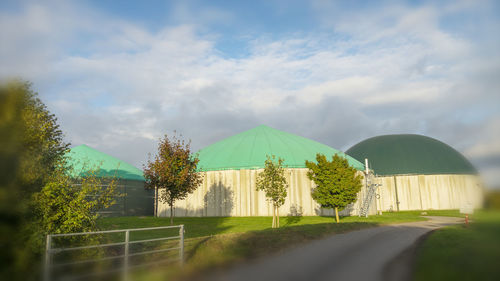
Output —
(402, 267)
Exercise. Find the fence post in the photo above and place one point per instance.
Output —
(48, 258)
(181, 244)
(125, 256)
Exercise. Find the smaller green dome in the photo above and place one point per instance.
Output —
(410, 154)
(83, 158)
(248, 150)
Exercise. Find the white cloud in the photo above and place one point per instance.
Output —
(490, 131)
(118, 86)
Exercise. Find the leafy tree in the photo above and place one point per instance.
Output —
(37, 194)
(273, 182)
(68, 204)
(31, 146)
(42, 142)
(172, 172)
(337, 183)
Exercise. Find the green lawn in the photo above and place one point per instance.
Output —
(206, 226)
(462, 253)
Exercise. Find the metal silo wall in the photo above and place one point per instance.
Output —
(233, 193)
(135, 200)
(429, 192)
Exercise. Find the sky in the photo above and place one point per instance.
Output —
(121, 74)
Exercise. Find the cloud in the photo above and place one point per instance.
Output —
(119, 86)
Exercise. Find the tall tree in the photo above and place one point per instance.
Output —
(273, 182)
(37, 194)
(337, 183)
(31, 146)
(173, 171)
(43, 143)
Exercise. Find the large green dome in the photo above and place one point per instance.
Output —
(410, 154)
(83, 158)
(248, 150)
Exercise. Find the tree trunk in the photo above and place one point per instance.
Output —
(337, 214)
(171, 213)
(156, 202)
(277, 217)
(272, 226)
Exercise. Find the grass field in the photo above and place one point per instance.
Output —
(220, 241)
(207, 226)
(462, 253)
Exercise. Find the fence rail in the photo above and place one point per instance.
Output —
(51, 251)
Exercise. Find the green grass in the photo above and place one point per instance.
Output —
(462, 253)
(443, 213)
(207, 226)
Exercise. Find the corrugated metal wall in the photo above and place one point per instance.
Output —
(233, 193)
(429, 192)
(137, 201)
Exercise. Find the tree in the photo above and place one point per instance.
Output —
(173, 172)
(337, 183)
(67, 204)
(273, 182)
(31, 146)
(31, 143)
(43, 146)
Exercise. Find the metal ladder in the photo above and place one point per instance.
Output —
(365, 206)
(371, 191)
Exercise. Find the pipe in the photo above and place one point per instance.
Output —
(397, 197)
(367, 170)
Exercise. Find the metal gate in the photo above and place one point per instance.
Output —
(99, 262)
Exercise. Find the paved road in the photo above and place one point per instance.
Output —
(369, 254)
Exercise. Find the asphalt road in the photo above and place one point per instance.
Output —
(381, 253)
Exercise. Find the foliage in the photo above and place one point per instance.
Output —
(41, 140)
(67, 205)
(173, 171)
(337, 183)
(492, 200)
(37, 196)
(273, 182)
(31, 145)
(12, 207)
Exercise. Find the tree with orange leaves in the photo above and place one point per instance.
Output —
(173, 171)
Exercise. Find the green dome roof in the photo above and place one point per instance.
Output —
(410, 154)
(248, 150)
(83, 158)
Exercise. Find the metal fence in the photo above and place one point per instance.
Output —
(54, 269)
